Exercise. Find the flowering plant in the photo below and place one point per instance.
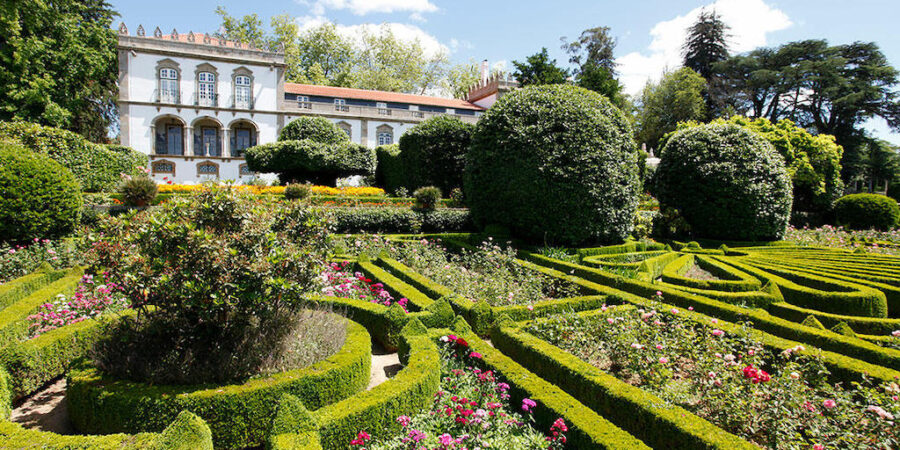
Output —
(20, 260)
(872, 241)
(89, 301)
(340, 282)
(472, 409)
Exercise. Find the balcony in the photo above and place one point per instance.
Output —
(206, 100)
(367, 112)
(167, 97)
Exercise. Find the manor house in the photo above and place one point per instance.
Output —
(193, 102)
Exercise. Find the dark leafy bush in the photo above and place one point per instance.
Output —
(138, 190)
(96, 167)
(457, 198)
(216, 257)
(427, 197)
(297, 191)
(311, 161)
(433, 153)
(556, 164)
(318, 129)
(389, 173)
(865, 211)
(39, 198)
(727, 183)
(399, 220)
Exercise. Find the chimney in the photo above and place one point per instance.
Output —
(484, 71)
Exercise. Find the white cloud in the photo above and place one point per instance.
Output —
(363, 7)
(417, 17)
(405, 32)
(750, 22)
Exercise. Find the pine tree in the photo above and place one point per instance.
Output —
(706, 44)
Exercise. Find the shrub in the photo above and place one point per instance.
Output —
(555, 163)
(138, 191)
(297, 191)
(866, 211)
(727, 182)
(96, 167)
(433, 153)
(389, 173)
(813, 161)
(317, 129)
(307, 160)
(457, 198)
(39, 198)
(427, 197)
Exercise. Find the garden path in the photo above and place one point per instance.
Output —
(384, 365)
(45, 410)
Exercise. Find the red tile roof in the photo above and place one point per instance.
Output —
(378, 96)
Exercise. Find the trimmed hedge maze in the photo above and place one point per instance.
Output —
(837, 306)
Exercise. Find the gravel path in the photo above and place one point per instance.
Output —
(45, 410)
(384, 365)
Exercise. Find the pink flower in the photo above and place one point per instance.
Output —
(445, 439)
(818, 447)
(674, 311)
(611, 320)
(475, 355)
(659, 293)
(528, 404)
(403, 421)
(637, 346)
(659, 347)
(690, 308)
(895, 333)
(829, 403)
(530, 307)
(717, 332)
(663, 360)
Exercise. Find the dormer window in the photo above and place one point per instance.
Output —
(206, 88)
(341, 105)
(168, 85)
(242, 90)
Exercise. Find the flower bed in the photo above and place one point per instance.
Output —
(341, 282)
(472, 409)
(20, 260)
(89, 300)
(776, 400)
(316, 190)
(870, 241)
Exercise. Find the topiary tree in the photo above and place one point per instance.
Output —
(727, 182)
(813, 161)
(39, 198)
(96, 167)
(389, 173)
(554, 163)
(866, 211)
(318, 129)
(315, 162)
(433, 153)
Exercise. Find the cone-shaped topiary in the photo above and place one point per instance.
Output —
(554, 164)
(727, 182)
(39, 198)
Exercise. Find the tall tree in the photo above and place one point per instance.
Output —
(324, 56)
(460, 78)
(706, 43)
(678, 97)
(387, 63)
(598, 79)
(539, 69)
(248, 29)
(595, 46)
(59, 64)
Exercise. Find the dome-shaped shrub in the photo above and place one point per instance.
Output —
(555, 164)
(39, 198)
(865, 211)
(434, 153)
(727, 182)
(318, 129)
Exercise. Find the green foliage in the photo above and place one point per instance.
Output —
(311, 161)
(554, 163)
(813, 161)
(215, 257)
(538, 70)
(97, 168)
(187, 432)
(297, 191)
(600, 80)
(39, 198)
(389, 171)
(433, 152)
(706, 43)
(457, 198)
(316, 129)
(59, 64)
(138, 191)
(678, 97)
(399, 220)
(727, 182)
(864, 211)
(427, 197)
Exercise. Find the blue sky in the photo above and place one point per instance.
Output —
(649, 31)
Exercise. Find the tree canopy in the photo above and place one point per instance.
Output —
(595, 46)
(59, 64)
(678, 97)
(539, 69)
(706, 43)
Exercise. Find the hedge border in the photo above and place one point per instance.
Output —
(13, 319)
(238, 415)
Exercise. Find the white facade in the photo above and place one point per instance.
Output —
(192, 103)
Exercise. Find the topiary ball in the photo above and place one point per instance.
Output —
(554, 164)
(727, 182)
(866, 211)
(318, 129)
(433, 153)
(39, 198)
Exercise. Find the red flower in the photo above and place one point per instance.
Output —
(462, 342)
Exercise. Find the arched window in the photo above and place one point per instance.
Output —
(163, 167)
(385, 135)
(206, 84)
(208, 168)
(243, 136)
(347, 128)
(169, 137)
(242, 92)
(168, 85)
(244, 170)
